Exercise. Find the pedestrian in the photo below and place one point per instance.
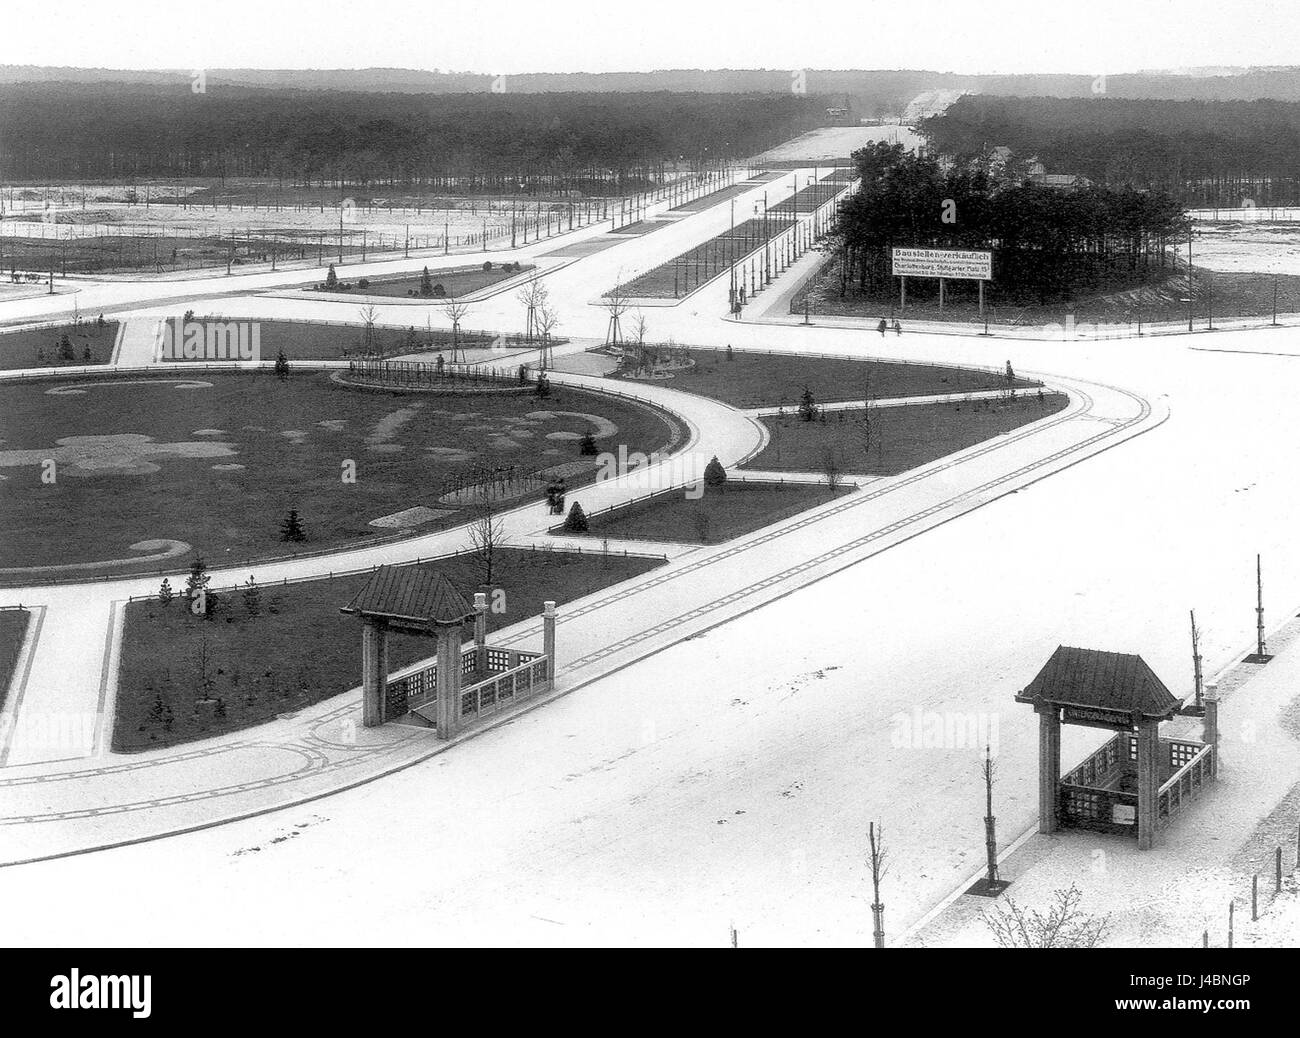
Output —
(883, 327)
(898, 328)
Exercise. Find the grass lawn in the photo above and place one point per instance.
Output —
(458, 282)
(723, 512)
(301, 649)
(684, 273)
(154, 253)
(778, 379)
(24, 349)
(216, 463)
(13, 628)
(902, 438)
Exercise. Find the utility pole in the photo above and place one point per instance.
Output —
(1196, 661)
(1190, 293)
(731, 294)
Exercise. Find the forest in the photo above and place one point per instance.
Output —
(70, 131)
(1203, 153)
(1048, 244)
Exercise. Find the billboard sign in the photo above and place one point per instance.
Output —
(943, 263)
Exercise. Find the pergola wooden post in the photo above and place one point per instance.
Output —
(448, 679)
(1148, 748)
(374, 672)
(1049, 767)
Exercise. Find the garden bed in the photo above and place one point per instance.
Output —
(183, 677)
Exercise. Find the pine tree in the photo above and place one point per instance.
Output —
(331, 278)
(165, 593)
(543, 385)
(292, 528)
(807, 405)
(282, 366)
(426, 283)
(198, 579)
(252, 598)
(714, 474)
(587, 445)
(576, 520)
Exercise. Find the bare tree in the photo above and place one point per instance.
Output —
(831, 468)
(546, 321)
(870, 429)
(487, 536)
(1065, 924)
(455, 309)
(876, 838)
(639, 327)
(616, 305)
(533, 298)
(368, 316)
(990, 825)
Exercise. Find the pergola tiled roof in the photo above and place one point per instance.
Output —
(1091, 678)
(410, 596)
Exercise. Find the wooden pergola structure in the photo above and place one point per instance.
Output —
(1137, 781)
(458, 687)
(413, 601)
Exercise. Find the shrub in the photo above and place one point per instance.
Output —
(576, 520)
(439, 291)
(487, 265)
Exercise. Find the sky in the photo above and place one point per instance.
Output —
(511, 36)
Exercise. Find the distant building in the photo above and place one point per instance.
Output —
(1059, 181)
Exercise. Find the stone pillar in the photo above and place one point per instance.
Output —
(1049, 769)
(374, 673)
(1210, 727)
(1148, 781)
(480, 633)
(548, 638)
(448, 680)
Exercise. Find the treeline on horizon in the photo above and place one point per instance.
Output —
(889, 89)
(81, 131)
(1048, 244)
(1203, 153)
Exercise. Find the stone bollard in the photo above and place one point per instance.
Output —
(480, 633)
(548, 638)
